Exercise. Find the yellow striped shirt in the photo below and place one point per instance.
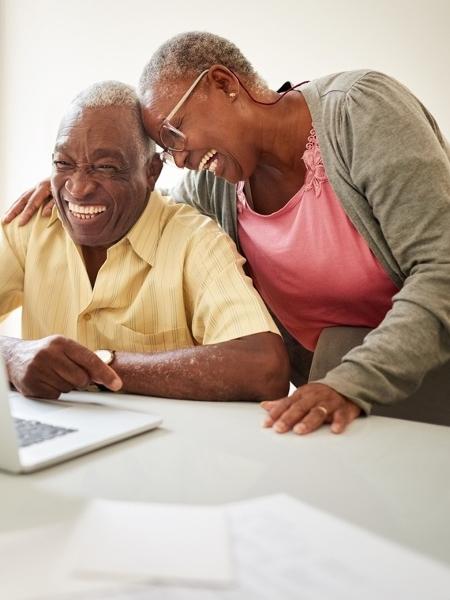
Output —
(174, 281)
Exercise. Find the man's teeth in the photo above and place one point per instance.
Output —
(85, 211)
(212, 167)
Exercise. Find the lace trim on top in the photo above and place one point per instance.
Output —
(314, 178)
(315, 171)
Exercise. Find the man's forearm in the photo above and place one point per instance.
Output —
(254, 367)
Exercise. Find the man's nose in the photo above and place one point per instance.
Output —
(79, 184)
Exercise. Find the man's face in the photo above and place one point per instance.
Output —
(100, 181)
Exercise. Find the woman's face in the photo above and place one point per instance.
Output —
(215, 125)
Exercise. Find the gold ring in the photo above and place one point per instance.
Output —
(323, 409)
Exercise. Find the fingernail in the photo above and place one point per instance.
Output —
(267, 422)
(280, 427)
(264, 404)
(300, 428)
(116, 384)
(336, 428)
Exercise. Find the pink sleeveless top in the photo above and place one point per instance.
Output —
(309, 263)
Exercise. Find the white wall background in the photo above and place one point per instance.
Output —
(50, 49)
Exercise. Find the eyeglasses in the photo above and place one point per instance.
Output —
(172, 139)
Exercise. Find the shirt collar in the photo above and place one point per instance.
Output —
(145, 233)
(54, 216)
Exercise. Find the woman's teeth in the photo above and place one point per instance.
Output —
(206, 158)
(213, 166)
(85, 211)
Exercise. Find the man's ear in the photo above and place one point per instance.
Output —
(223, 79)
(154, 167)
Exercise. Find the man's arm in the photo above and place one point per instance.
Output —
(254, 367)
(238, 353)
(251, 368)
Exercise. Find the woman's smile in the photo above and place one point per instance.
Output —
(209, 161)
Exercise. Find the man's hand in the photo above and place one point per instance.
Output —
(309, 407)
(47, 367)
(29, 202)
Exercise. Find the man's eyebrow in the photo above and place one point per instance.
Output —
(98, 152)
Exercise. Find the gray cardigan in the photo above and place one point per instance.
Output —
(390, 167)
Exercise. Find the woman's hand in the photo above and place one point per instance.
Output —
(29, 203)
(309, 407)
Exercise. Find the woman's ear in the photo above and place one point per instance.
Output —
(224, 80)
(154, 167)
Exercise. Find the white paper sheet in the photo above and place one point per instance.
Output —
(152, 542)
(110, 546)
(287, 550)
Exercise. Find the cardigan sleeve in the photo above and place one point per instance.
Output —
(399, 162)
(210, 195)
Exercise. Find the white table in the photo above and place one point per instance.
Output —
(388, 476)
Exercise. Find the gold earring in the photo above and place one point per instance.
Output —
(232, 94)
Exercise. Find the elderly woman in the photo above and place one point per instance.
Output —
(337, 191)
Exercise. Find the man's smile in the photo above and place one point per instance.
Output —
(86, 211)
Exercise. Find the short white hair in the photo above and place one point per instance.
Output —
(116, 93)
(188, 54)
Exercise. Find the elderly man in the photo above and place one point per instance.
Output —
(124, 288)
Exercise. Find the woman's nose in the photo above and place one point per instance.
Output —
(179, 158)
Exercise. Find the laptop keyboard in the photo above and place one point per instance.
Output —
(32, 432)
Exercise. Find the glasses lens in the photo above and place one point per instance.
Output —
(171, 138)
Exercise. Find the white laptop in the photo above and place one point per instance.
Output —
(35, 434)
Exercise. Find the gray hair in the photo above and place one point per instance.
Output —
(116, 93)
(192, 52)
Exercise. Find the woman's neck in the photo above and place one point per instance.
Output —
(282, 138)
(283, 131)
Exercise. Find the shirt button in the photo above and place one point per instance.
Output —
(87, 317)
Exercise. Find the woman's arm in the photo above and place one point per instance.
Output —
(29, 202)
(399, 162)
(399, 167)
